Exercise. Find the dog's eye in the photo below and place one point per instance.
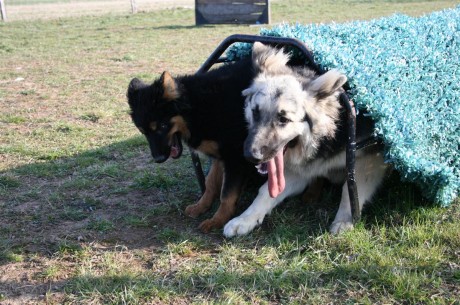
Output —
(163, 126)
(283, 120)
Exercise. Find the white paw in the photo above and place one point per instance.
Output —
(338, 227)
(241, 225)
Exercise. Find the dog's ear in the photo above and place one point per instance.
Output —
(268, 59)
(327, 84)
(132, 93)
(134, 84)
(248, 91)
(258, 48)
(170, 90)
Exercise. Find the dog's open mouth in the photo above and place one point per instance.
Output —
(176, 146)
(274, 169)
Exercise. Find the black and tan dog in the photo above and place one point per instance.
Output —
(206, 111)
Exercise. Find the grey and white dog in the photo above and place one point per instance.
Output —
(296, 134)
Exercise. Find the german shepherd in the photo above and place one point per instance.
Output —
(206, 111)
(295, 120)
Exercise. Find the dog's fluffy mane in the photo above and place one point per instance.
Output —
(319, 94)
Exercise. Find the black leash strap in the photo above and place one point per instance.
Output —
(350, 156)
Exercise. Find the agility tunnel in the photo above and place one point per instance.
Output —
(405, 72)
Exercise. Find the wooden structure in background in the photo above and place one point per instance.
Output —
(133, 7)
(232, 12)
(3, 10)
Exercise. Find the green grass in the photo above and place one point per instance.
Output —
(101, 225)
(88, 218)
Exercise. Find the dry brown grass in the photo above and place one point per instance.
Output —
(88, 8)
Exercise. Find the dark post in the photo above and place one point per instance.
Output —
(350, 156)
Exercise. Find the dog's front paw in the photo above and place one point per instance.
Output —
(194, 210)
(241, 225)
(210, 224)
(338, 227)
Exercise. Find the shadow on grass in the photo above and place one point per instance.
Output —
(116, 196)
(293, 275)
(95, 195)
(277, 285)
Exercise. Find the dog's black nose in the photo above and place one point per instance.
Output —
(253, 156)
(160, 158)
(252, 152)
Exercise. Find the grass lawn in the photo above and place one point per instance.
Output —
(86, 217)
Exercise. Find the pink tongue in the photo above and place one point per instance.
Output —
(276, 182)
(174, 152)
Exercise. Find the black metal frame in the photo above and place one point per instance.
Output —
(215, 57)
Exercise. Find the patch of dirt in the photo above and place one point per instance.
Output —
(36, 229)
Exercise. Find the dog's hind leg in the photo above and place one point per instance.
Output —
(263, 205)
(370, 170)
(213, 187)
(235, 176)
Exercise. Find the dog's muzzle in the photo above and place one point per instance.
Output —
(253, 154)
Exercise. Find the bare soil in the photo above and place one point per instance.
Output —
(80, 8)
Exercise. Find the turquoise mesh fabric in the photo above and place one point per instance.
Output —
(405, 71)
